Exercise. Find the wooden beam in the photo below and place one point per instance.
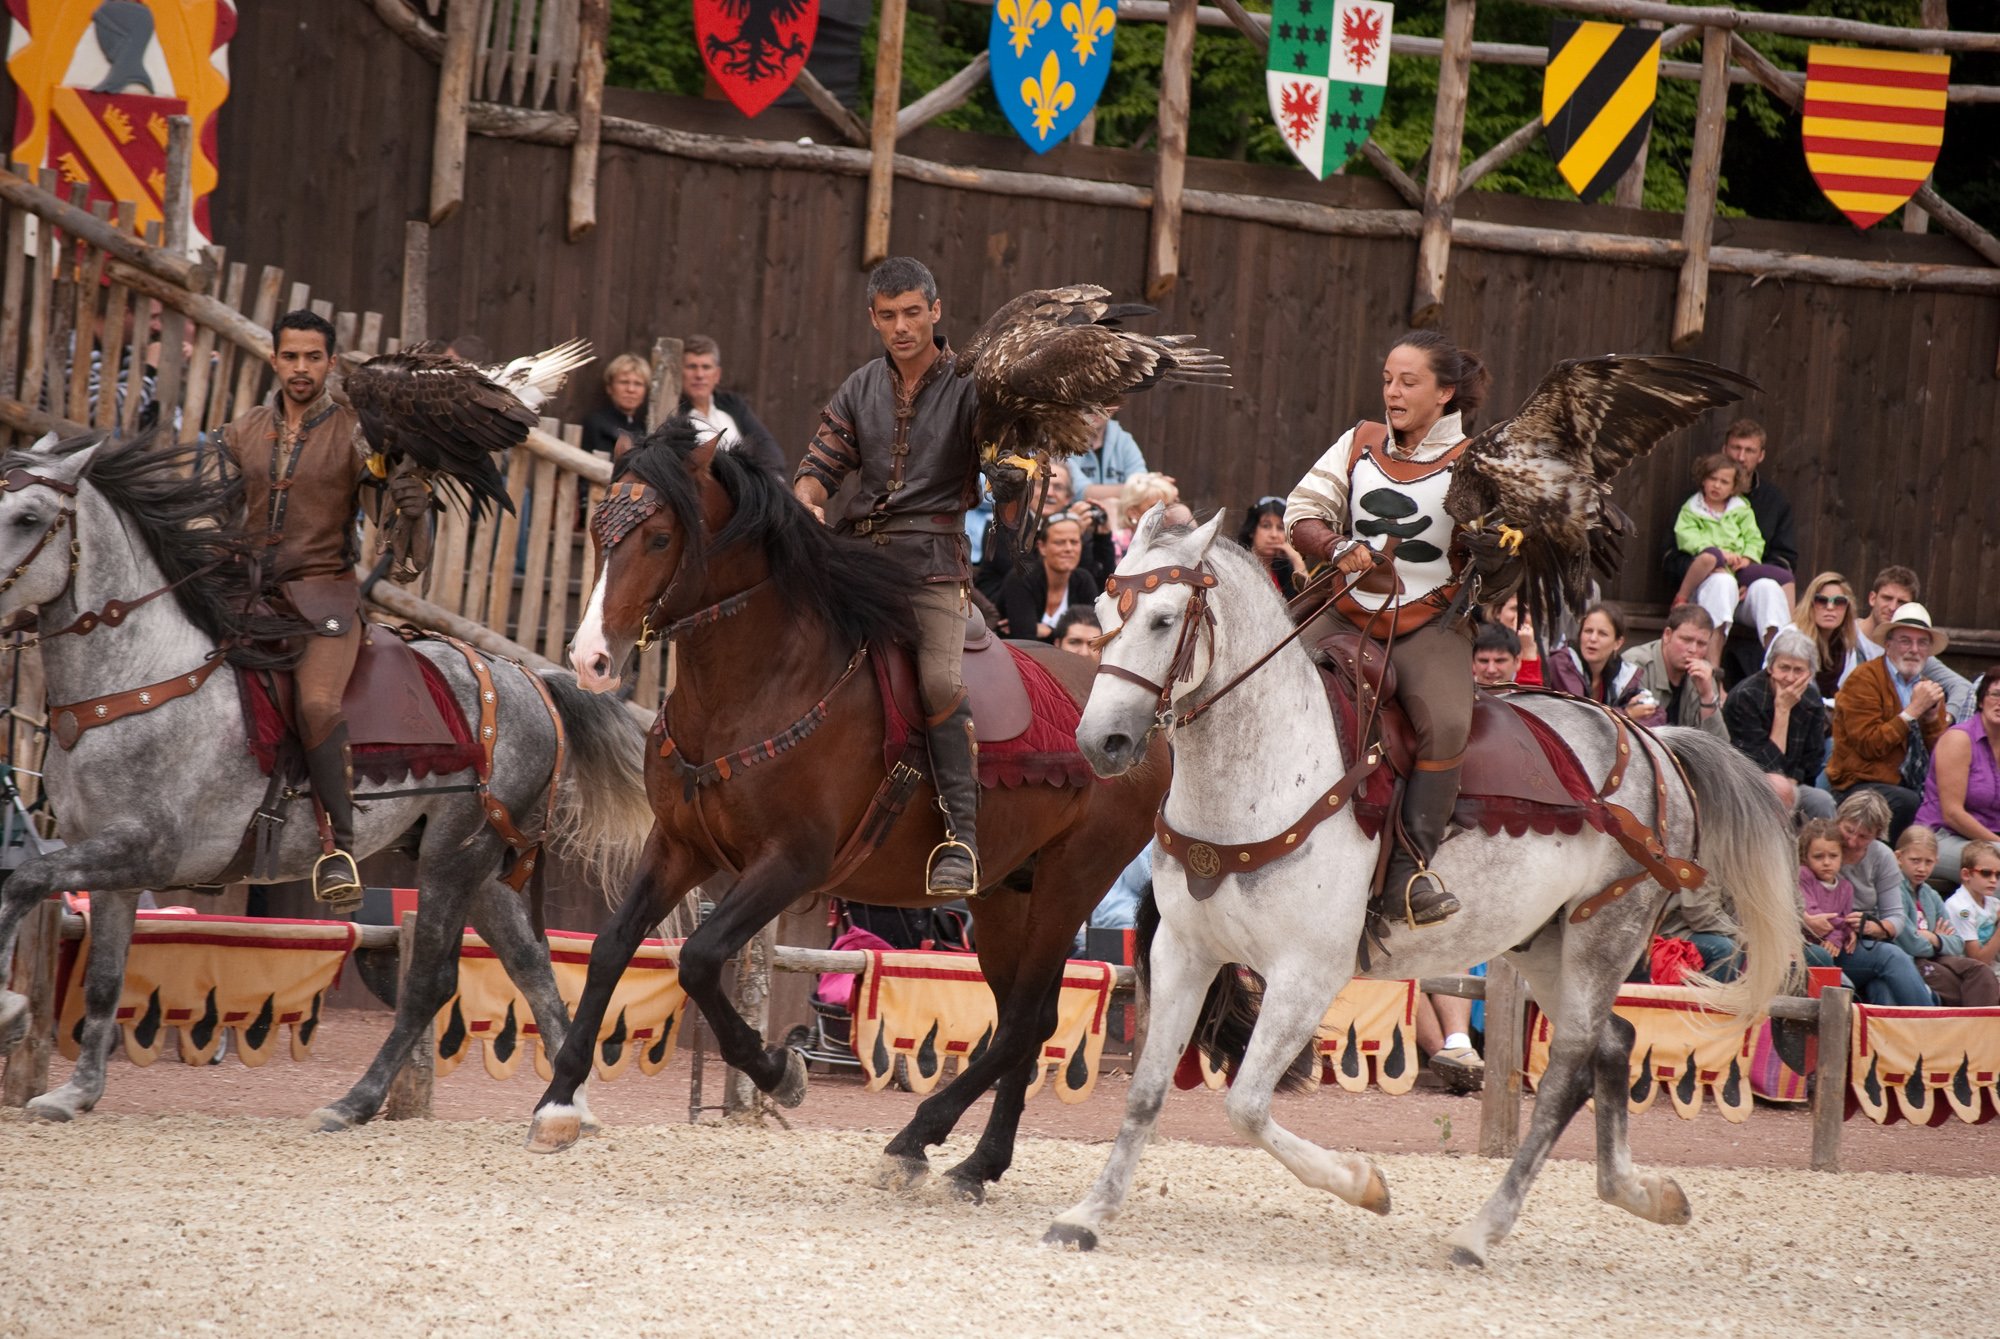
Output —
(454, 94)
(1932, 15)
(413, 321)
(1393, 173)
(180, 269)
(1786, 25)
(1259, 33)
(1506, 1056)
(37, 953)
(1441, 185)
(664, 395)
(1511, 147)
(231, 324)
(1954, 221)
(1704, 171)
(882, 133)
(177, 213)
(1163, 245)
(821, 97)
(575, 459)
(407, 24)
(947, 96)
(1829, 1100)
(593, 26)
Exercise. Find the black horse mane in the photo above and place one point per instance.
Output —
(186, 518)
(862, 593)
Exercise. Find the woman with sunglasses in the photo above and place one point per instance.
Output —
(1263, 533)
(1826, 614)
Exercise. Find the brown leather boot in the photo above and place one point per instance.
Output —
(335, 879)
(1411, 891)
(954, 865)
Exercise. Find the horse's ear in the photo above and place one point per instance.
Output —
(699, 459)
(1205, 536)
(71, 467)
(42, 447)
(1148, 527)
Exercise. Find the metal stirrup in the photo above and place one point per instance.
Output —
(1409, 893)
(335, 893)
(950, 842)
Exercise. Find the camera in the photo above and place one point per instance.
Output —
(1099, 518)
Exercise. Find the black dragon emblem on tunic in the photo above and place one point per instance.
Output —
(757, 52)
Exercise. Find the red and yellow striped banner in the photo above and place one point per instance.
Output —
(1874, 121)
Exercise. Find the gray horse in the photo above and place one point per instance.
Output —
(161, 798)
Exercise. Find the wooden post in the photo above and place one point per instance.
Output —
(593, 25)
(665, 393)
(35, 958)
(1441, 184)
(753, 1001)
(454, 92)
(1698, 223)
(1506, 1054)
(1631, 190)
(882, 132)
(415, 318)
(410, 1091)
(1914, 217)
(1829, 1099)
(178, 207)
(1163, 247)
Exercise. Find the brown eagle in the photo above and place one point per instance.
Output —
(1534, 492)
(425, 409)
(1048, 362)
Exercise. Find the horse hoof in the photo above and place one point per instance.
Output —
(896, 1172)
(1070, 1236)
(554, 1129)
(970, 1189)
(1375, 1198)
(13, 1020)
(791, 1089)
(1466, 1259)
(327, 1120)
(56, 1112)
(1670, 1203)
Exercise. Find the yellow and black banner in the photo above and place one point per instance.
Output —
(1597, 100)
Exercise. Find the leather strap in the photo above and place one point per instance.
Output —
(694, 775)
(69, 723)
(526, 850)
(1208, 863)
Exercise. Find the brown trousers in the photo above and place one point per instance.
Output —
(320, 681)
(1433, 668)
(941, 608)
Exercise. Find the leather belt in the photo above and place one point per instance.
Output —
(911, 524)
(69, 723)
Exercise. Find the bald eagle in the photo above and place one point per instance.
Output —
(1048, 363)
(1534, 492)
(422, 407)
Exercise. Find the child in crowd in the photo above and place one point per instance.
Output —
(1926, 932)
(1827, 895)
(1716, 527)
(1974, 910)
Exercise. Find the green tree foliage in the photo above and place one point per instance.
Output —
(1763, 172)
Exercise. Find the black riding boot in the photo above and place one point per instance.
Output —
(335, 879)
(954, 865)
(1412, 892)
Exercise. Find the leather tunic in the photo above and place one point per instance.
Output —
(300, 491)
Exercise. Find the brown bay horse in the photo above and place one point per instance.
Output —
(774, 619)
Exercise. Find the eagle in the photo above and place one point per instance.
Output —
(1048, 363)
(1534, 493)
(422, 408)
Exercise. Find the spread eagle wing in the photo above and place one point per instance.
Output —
(450, 417)
(1051, 360)
(1534, 492)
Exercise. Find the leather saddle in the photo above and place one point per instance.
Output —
(387, 702)
(1000, 707)
(1505, 757)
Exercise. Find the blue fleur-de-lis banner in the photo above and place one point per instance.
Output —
(1050, 59)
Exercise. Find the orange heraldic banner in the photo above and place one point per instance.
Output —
(1874, 121)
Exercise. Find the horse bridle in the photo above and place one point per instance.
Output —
(628, 504)
(1126, 589)
(65, 518)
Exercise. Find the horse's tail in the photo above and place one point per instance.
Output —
(1746, 848)
(1228, 1015)
(602, 816)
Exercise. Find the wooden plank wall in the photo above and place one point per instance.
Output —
(1884, 412)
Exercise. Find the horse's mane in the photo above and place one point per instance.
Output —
(862, 593)
(187, 519)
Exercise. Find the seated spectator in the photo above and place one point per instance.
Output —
(725, 411)
(1826, 614)
(1927, 934)
(1745, 441)
(1888, 717)
(1119, 909)
(1883, 973)
(1102, 472)
(1444, 1032)
(1893, 588)
(1974, 910)
(1263, 533)
(999, 553)
(1676, 673)
(1701, 916)
(1962, 791)
(1592, 667)
(1135, 499)
(1776, 719)
(1509, 616)
(1496, 656)
(1077, 632)
(627, 379)
(1717, 530)
(1037, 594)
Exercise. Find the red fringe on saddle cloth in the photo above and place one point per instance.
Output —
(266, 726)
(1043, 754)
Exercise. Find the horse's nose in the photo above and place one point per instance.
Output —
(1113, 753)
(599, 665)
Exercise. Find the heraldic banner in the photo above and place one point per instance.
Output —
(1049, 63)
(1326, 76)
(1873, 126)
(95, 84)
(1597, 100)
(754, 49)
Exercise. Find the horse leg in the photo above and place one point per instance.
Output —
(1295, 999)
(502, 921)
(1180, 977)
(111, 920)
(994, 1154)
(666, 871)
(1653, 1196)
(119, 857)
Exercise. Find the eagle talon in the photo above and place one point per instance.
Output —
(1510, 539)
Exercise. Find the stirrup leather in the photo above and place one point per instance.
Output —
(1409, 895)
(343, 883)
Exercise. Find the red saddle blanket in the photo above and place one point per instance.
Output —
(1043, 753)
(395, 728)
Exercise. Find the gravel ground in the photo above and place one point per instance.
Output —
(144, 1224)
